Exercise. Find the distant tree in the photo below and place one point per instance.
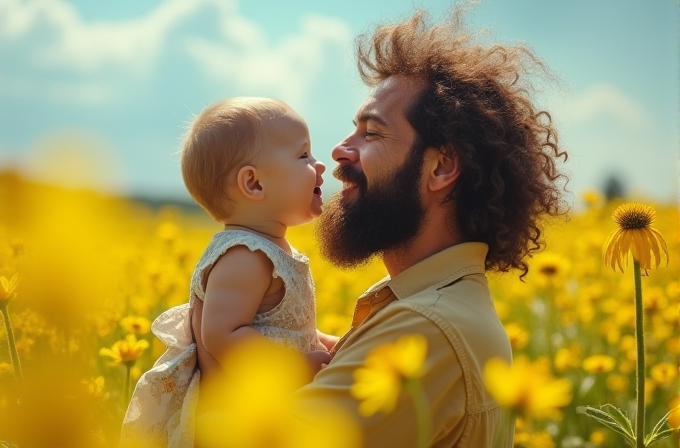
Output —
(613, 188)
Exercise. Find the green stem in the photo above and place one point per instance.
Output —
(640, 373)
(128, 380)
(14, 355)
(422, 408)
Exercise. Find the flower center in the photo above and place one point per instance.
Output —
(549, 270)
(633, 216)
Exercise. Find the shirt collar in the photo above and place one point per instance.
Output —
(437, 270)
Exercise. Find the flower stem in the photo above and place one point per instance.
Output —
(14, 355)
(128, 378)
(421, 405)
(640, 339)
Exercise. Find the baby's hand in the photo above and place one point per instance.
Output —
(326, 341)
(318, 359)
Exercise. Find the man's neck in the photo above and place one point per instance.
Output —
(431, 238)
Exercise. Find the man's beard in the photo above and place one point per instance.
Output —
(384, 218)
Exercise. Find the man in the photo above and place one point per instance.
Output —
(445, 176)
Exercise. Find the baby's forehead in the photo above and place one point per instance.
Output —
(287, 129)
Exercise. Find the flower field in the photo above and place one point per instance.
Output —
(84, 275)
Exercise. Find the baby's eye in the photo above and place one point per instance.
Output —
(304, 156)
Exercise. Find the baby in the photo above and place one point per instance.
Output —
(248, 163)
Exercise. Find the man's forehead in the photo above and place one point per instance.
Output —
(393, 92)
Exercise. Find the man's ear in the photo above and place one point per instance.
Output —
(247, 181)
(443, 170)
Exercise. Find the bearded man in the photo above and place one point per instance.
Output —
(446, 175)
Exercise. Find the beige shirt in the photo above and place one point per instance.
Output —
(446, 299)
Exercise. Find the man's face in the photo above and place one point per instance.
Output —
(379, 208)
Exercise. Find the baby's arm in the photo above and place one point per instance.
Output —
(234, 291)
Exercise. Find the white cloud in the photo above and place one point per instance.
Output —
(243, 55)
(605, 100)
(86, 47)
(69, 92)
(240, 54)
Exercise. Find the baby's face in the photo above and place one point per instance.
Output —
(289, 174)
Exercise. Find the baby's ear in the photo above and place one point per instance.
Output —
(247, 180)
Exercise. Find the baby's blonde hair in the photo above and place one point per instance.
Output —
(226, 135)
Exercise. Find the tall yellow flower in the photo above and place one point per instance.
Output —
(126, 351)
(635, 235)
(8, 288)
(378, 384)
(527, 388)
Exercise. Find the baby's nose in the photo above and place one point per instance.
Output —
(320, 168)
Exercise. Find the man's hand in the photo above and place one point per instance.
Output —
(318, 359)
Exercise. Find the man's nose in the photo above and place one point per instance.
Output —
(344, 153)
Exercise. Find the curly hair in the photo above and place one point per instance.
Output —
(476, 107)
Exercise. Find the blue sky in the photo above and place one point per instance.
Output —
(115, 83)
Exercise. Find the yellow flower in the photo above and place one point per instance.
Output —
(6, 368)
(552, 269)
(518, 336)
(168, 231)
(8, 288)
(599, 364)
(664, 373)
(95, 387)
(635, 235)
(126, 351)
(567, 357)
(591, 198)
(379, 382)
(136, 325)
(253, 403)
(617, 383)
(674, 418)
(598, 437)
(527, 388)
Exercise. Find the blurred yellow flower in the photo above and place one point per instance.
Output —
(6, 368)
(674, 408)
(617, 383)
(527, 388)
(125, 351)
(517, 335)
(552, 268)
(664, 373)
(95, 387)
(599, 364)
(598, 437)
(567, 357)
(379, 382)
(136, 325)
(168, 231)
(635, 235)
(252, 404)
(591, 198)
(8, 288)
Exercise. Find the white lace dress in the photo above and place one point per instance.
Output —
(161, 411)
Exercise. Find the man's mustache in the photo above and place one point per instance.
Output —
(347, 173)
